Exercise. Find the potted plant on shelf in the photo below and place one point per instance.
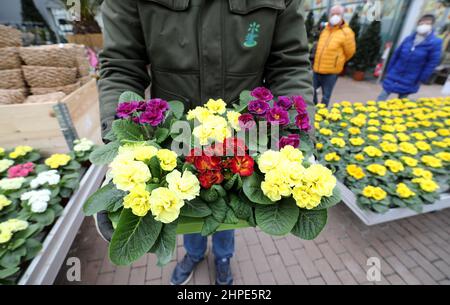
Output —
(87, 31)
(369, 45)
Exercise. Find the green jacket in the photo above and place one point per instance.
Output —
(193, 50)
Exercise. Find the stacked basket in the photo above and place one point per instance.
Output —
(12, 85)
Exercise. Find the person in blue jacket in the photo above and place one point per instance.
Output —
(414, 61)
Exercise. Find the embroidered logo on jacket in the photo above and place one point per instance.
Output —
(252, 35)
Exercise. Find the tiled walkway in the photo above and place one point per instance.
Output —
(412, 251)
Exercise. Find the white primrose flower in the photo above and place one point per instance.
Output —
(50, 177)
(5, 164)
(11, 183)
(83, 145)
(37, 200)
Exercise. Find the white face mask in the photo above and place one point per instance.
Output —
(335, 20)
(424, 29)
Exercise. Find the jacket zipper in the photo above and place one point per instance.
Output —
(323, 49)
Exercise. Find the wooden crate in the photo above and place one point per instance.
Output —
(51, 127)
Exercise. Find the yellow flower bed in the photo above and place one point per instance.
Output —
(391, 154)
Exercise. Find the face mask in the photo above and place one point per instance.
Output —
(335, 20)
(424, 29)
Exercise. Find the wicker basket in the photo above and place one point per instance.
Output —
(12, 96)
(9, 58)
(65, 89)
(11, 79)
(51, 56)
(49, 77)
(10, 37)
(45, 98)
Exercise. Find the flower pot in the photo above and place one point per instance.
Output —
(358, 75)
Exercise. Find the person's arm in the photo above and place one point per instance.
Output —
(288, 70)
(350, 44)
(395, 57)
(123, 62)
(433, 60)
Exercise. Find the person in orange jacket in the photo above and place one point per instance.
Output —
(336, 46)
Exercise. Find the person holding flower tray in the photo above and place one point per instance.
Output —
(196, 51)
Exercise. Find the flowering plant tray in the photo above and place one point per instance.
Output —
(371, 218)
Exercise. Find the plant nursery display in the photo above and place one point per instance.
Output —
(33, 192)
(209, 169)
(391, 154)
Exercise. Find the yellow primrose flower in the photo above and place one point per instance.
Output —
(347, 110)
(394, 166)
(2, 151)
(439, 144)
(355, 171)
(203, 134)
(320, 106)
(408, 148)
(423, 146)
(426, 185)
(233, 119)
(292, 154)
(57, 160)
(412, 125)
(20, 151)
(418, 136)
(409, 161)
(165, 205)
(332, 157)
(444, 156)
(373, 152)
(354, 131)
(377, 169)
(373, 115)
(403, 137)
(216, 106)
(275, 187)
(390, 137)
(338, 142)
(167, 159)
(293, 172)
(335, 117)
(185, 186)
(430, 134)
(373, 122)
(318, 117)
(389, 147)
(373, 137)
(5, 235)
(344, 125)
(431, 161)
(138, 200)
(376, 193)
(320, 180)
(400, 128)
(139, 151)
(443, 132)
(269, 161)
(357, 141)
(319, 146)
(422, 173)
(304, 198)
(358, 120)
(127, 174)
(403, 191)
(199, 113)
(316, 125)
(388, 128)
(4, 202)
(372, 129)
(359, 157)
(326, 131)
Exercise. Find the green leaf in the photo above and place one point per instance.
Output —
(155, 167)
(328, 202)
(310, 224)
(110, 136)
(219, 209)
(277, 219)
(45, 219)
(209, 195)
(161, 134)
(196, 208)
(11, 259)
(129, 96)
(133, 237)
(107, 198)
(33, 248)
(127, 131)
(4, 273)
(177, 108)
(28, 232)
(220, 190)
(240, 208)
(209, 226)
(105, 154)
(252, 189)
(229, 184)
(230, 217)
(16, 243)
(166, 243)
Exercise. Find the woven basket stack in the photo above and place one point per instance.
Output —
(12, 85)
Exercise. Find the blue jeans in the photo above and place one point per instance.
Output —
(327, 83)
(223, 245)
(385, 95)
